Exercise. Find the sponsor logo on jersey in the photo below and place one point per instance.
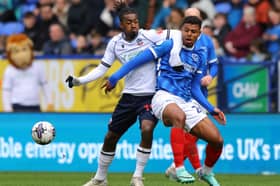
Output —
(189, 68)
(195, 57)
(139, 41)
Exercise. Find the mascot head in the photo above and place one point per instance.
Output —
(19, 50)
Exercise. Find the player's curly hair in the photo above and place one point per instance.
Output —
(122, 9)
(191, 20)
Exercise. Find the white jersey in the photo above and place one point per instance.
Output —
(24, 85)
(141, 80)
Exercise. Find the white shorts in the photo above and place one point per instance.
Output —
(200, 106)
(194, 113)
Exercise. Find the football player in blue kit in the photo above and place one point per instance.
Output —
(173, 103)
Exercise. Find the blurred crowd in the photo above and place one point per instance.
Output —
(241, 29)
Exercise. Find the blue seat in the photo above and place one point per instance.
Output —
(11, 28)
(22, 9)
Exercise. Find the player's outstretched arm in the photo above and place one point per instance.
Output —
(94, 74)
(145, 56)
(198, 96)
(72, 81)
(142, 58)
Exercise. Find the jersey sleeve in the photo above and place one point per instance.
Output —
(109, 54)
(160, 50)
(198, 95)
(155, 36)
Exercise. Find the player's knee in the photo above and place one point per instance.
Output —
(219, 142)
(111, 138)
(179, 120)
(147, 128)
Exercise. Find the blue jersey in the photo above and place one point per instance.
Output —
(183, 82)
(177, 82)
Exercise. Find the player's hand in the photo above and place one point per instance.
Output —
(72, 81)
(119, 4)
(219, 116)
(206, 80)
(108, 86)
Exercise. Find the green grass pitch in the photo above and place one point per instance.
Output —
(122, 179)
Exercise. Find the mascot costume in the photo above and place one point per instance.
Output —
(23, 80)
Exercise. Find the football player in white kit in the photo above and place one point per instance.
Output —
(136, 96)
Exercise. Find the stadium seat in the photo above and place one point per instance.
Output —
(11, 28)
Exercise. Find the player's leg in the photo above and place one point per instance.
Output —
(207, 131)
(165, 107)
(147, 124)
(191, 150)
(174, 114)
(123, 117)
(191, 153)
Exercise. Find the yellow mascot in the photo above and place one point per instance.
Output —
(23, 80)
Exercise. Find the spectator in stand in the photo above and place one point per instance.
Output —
(96, 7)
(276, 4)
(218, 48)
(162, 14)
(175, 18)
(221, 27)
(235, 14)
(8, 16)
(206, 6)
(82, 46)
(165, 10)
(79, 19)
(5, 6)
(262, 7)
(97, 44)
(237, 42)
(60, 9)
(108, 25)
(258, 52)
(31, 28)
(58, 44)
(41, 3)
(272, 34)
(46, 18)
(208, 28)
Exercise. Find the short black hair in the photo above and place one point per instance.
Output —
(194, 20)
(125, 11)
(28, 14)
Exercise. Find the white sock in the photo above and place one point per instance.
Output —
(198, 169)
(179, 168)
(104, 160)
(206, 169)
(173, 165)
(142, 156)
